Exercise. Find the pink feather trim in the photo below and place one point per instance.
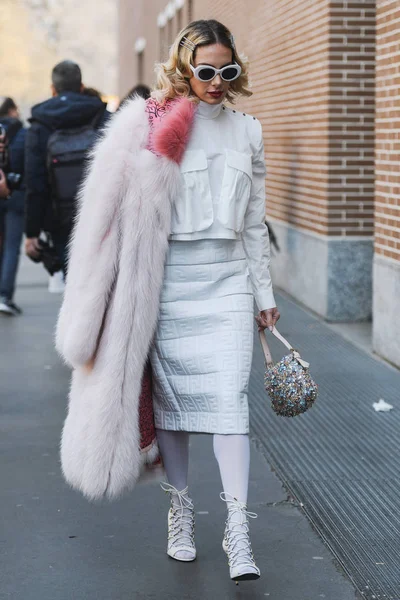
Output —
(171, 133)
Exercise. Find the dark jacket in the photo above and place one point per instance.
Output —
(68, 110)
(16, 152)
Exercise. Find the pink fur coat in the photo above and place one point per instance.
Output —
(110, 308)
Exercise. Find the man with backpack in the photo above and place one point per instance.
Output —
(63, 129)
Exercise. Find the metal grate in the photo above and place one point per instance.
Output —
(341, 459)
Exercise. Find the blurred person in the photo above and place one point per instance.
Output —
(169, 252)
(141, 90)
(90, 91)
(62, 131)
(12, 150)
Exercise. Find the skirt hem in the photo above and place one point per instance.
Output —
(212, 423)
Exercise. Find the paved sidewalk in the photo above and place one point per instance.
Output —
(54, 545)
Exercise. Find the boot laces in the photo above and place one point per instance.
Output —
(181, 529)
(237, 532)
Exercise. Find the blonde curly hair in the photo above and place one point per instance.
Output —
(172, 77)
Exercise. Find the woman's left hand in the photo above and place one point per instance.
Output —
(268, 318)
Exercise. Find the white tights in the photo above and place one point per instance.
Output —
(231, 451)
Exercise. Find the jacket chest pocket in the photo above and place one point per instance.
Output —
(193, 210)
(235, 191)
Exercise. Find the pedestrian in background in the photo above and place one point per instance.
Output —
(89, 91)
(169, 252)
(13, 206)
(70, 118)
(141, 90)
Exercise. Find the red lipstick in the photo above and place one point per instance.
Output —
(215, 94)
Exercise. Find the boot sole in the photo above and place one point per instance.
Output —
(246, 577)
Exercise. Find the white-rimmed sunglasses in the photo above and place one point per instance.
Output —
(207, 73)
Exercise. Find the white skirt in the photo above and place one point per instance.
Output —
(203, 346)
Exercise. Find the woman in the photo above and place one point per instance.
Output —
(169, 251)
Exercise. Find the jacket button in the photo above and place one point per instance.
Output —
(244, 114)
(234, 111)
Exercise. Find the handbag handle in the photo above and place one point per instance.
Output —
(267, 351)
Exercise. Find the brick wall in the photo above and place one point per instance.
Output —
(387, 201)
(352, 111)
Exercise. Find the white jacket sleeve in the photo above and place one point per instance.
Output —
(255, 233)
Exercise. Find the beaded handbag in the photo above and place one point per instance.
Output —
(288, 382)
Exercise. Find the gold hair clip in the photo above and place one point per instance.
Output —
(188, 44)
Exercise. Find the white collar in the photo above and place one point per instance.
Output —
(209, 111)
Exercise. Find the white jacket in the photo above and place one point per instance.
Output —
(223, 190)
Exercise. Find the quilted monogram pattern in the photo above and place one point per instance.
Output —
(203, 347)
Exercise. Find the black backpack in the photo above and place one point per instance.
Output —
(67, 152)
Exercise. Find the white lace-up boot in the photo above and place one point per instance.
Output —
(180, 524)
(236, 542)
